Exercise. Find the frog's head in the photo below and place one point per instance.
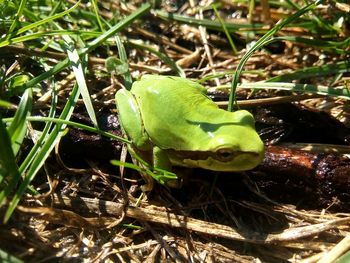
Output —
(232, 153)
(231, 144)
(228, 156)
(237, 146)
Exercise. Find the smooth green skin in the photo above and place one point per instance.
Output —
(171, 120)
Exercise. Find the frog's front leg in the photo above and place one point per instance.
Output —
(161, 161)
(159, 170)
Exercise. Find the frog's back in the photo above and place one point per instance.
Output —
(158, 84)
(160, 92)
(173, 109)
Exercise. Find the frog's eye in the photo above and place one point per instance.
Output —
(224, 154)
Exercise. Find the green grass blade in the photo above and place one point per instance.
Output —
(119, 26)
(179, 71)
(339, 47)
(160, 175)
(47, 74)
(41, 34)
(293, 4)
(209, 24)
(18, 127)
(74, 124)
(223, 24)
(260, 43)
(78, 70)
(44, 152)
(127, 165)
(7, 105)
(91, 46)
(340, 92)
(123, 57)
(97, 15)
(46, 20)
(16, 19)
(8, 168)
(44, 134)
(336, 68)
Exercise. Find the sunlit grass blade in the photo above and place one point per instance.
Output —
(91, 46)
(179, 71)
(339, 47)
(127, 165)
(340, 92)
(223, 24)
(18, 126)
(209, 24)
(7, 105)
(37, 35)
(15, 22)
(46, 20)
(123, 57)
(73, 124)
(114, 29)
(260, 43)
(97, 15)
(77, 63)
(9, 174)
(336, 68)
(44, 152)
(77, 66)
(44, 133)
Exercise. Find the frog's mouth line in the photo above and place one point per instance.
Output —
(203, 155)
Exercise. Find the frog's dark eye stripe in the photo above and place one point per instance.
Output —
(193, 155)
(222, 155)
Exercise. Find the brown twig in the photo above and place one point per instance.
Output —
(160, 215)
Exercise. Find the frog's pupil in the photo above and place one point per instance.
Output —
(225, 154)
